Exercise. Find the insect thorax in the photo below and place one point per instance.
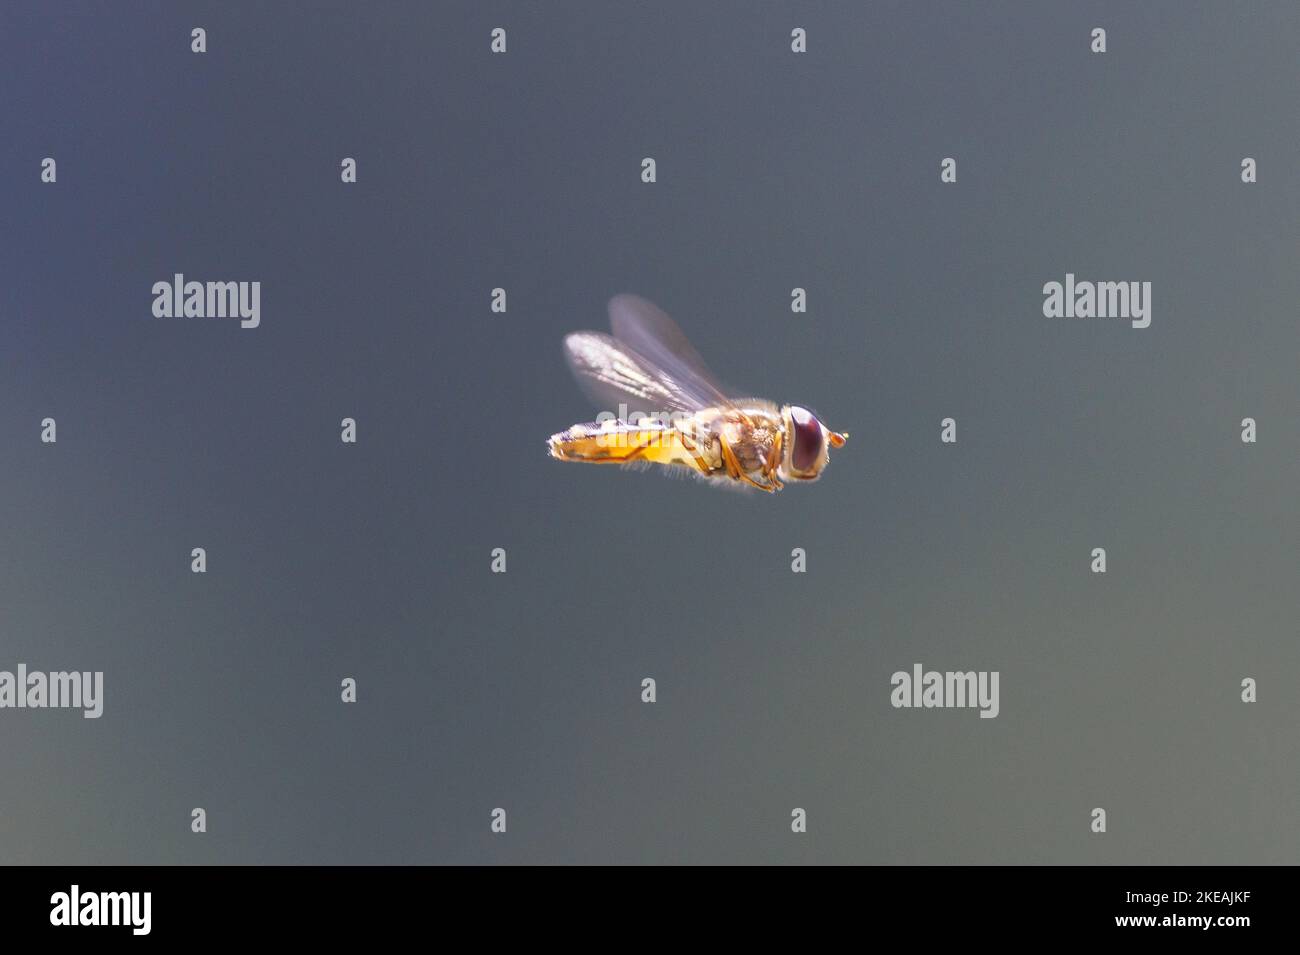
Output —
(751, 431)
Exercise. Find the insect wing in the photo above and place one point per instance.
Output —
(650, 334)
(610, 373)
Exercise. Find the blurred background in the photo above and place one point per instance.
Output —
(775, 170)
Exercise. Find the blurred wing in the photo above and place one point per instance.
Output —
(645, 329)
(612, 373)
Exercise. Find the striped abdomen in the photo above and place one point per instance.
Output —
(621, 442)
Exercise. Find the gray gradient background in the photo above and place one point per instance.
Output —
(522, 691)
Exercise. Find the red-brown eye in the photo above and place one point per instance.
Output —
(807, 439)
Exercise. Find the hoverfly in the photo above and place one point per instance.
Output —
(684, 419)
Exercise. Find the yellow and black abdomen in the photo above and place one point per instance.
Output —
(622, 442)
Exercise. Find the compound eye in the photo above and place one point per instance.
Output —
(808, 439)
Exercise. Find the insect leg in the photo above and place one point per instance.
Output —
(734, 469)
(693, 450)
